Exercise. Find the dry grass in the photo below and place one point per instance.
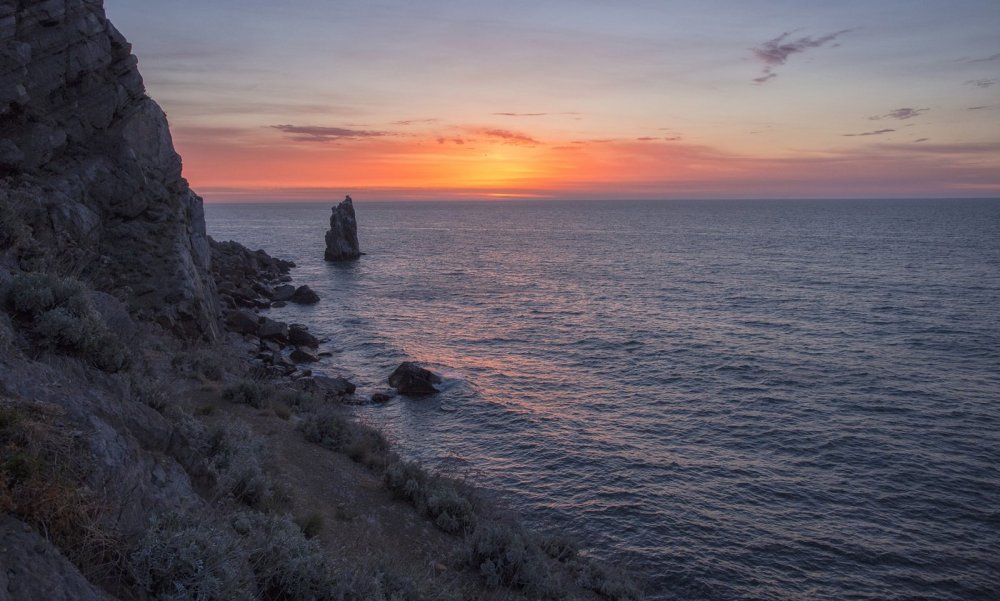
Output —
(43, 470)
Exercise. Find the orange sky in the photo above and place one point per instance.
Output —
(483, 166)
(564, 99)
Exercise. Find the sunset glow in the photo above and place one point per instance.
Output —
(576, 100)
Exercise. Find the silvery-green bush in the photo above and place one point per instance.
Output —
(506, 556)
(251, 393)
(181, 559)
(450, 504)
(59, 316)
(363, 444)
(286, 564)
(237, 456)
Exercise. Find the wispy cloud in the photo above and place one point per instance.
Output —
(774, 53)
(509, 137)
(921, 139)
(901, 114)
(980, 108)
(506, 114)
(443, 140)
(311, 133)
(988, 59)
(877, 132)
(982, 83)
(406, 122)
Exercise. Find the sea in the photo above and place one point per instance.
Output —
(760, 399)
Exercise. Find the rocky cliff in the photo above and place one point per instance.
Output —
(88, 166)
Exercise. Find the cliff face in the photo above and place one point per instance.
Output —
(88, 160)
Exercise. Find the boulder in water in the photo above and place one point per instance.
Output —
(409, 378)
(285, 292)
(304, 295)
(342, 239)
(299, 336)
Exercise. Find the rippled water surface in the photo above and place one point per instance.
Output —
(741, 400)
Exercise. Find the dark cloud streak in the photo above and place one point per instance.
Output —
(311, 133)
(774, 53)
(901, 114)
(509, 137)
(878, 132)
(982, 83)
(988, 59)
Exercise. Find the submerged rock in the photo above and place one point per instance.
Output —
(342, 239)
(410, 378)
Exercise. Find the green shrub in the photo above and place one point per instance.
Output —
(363, 444)
(204, 363)
(34, 293)
(60, 316)
(286, 564)
(607, 582)
(449, 503)
(149, 392)
(506, 556)
(181, 558)
(237, 456)
(255, 394)
(559, 547)
(311, 525)
(281, 410)
(382, 582)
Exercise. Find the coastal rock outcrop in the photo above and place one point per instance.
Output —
(89, 172)
(332, 389)
(342, 239)
(409, 378)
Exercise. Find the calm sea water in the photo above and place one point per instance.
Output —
(740, 400)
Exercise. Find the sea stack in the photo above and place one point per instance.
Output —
(342, 239)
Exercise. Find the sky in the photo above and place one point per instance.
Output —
(588, 99)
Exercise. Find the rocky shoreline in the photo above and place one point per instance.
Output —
(159, 437)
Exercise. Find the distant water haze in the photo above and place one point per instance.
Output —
(740, 400)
